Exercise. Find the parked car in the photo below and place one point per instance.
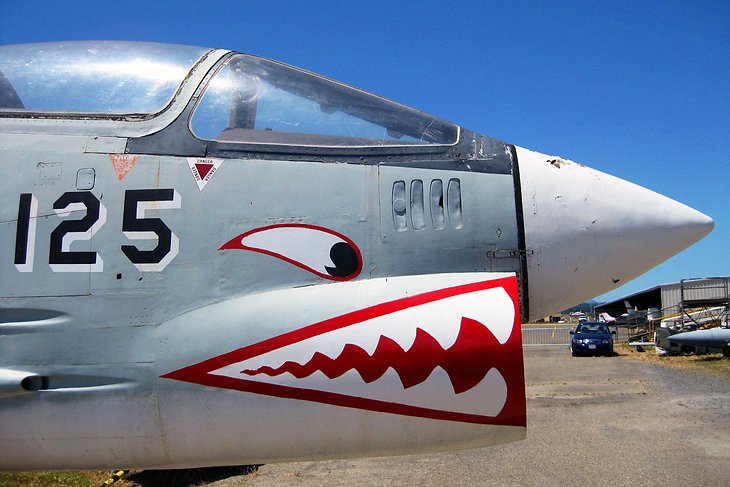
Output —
(592, 339)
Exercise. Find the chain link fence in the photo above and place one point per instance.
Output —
(559, 335)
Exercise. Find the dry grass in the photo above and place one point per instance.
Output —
(135, 478)
(56, 479)
(713, 362)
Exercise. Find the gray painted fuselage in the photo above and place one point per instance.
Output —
(96, 315)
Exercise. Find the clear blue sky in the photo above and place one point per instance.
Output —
(638, 89)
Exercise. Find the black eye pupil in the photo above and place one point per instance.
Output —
(345, 259)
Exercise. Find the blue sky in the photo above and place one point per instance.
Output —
(637, 89)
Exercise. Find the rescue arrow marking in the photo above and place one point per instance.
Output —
(123, 163)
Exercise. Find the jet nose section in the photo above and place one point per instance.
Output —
(587, 232)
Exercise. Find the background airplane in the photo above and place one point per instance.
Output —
(632, 316)
(210, 248)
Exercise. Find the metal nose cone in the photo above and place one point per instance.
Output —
(587, 232)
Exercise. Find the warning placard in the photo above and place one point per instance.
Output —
(203, 169)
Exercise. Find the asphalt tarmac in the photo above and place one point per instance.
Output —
(591, 421)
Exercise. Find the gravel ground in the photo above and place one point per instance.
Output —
(591, 421)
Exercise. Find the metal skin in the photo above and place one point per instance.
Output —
(714, 337)
(169, 300)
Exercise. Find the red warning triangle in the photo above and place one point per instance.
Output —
(203, 169)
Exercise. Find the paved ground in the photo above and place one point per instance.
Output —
(591, 421)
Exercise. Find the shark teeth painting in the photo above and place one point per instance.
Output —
(450, 354)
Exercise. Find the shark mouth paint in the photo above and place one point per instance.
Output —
(451, 354)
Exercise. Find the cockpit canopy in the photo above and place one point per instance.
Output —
(93, 77)
(246, 100)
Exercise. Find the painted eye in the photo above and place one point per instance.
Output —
(319, 250)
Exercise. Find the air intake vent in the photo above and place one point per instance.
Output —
(409, 205)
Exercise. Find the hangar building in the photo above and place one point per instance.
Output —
(673, 298)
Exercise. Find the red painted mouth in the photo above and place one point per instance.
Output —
(466, 363)
(427, 358)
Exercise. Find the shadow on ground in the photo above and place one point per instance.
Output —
(188, 477)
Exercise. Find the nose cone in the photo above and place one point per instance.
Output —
(588, 232)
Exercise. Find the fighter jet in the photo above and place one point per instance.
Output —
(211, 258)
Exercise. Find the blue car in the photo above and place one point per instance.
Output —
(592, 339)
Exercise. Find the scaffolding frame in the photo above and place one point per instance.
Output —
(702, 301)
